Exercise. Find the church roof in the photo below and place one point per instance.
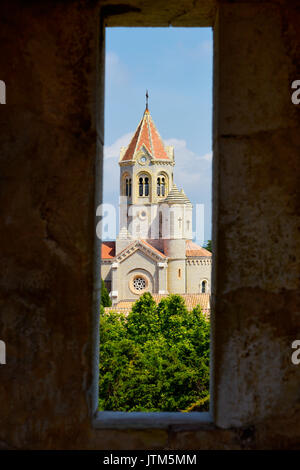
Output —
(192, 249)
(177, 197)
(146, 135)
(108, 250)
(191, 301)
(137, 244)
(153, 248)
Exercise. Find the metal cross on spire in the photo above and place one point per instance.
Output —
(147, 96)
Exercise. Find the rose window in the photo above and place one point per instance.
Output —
(139, 283)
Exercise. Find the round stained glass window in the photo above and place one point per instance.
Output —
(139, 284)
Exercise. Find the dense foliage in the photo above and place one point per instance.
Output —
(208, 245)
(105, 299)
(156, 359)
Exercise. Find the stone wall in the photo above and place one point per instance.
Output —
(175, 252)
(197, 270)
(106, 271)
(255, 220)
(52, 63)
(136, 263)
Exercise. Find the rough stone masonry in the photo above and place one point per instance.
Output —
(51, 139)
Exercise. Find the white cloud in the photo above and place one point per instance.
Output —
(116, 70)
(111, 169)
(207, 156)
(192, 172)
(113, 151)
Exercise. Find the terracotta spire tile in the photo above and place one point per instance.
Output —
(148, 136)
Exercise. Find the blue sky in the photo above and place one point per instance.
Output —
(175, 65)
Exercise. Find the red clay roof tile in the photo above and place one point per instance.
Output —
(146, 135)
(108, 250)
(192, 249)
(154, 249)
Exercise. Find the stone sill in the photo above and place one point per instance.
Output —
(151, 420)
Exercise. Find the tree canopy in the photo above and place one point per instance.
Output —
(105, 299)
(208, 246)
(156, 358)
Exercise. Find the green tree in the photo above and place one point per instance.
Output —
(142, 322)
(105, 299)
(207, 245)
(156, 359)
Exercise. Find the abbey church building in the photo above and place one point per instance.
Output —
(154, 251)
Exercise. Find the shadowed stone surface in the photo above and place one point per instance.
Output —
(48, 140)
(256, 209)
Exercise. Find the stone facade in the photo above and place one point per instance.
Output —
(153, 252)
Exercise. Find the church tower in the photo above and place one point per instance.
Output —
(177, 219)
(146, 178)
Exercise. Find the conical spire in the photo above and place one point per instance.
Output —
(177, 197)
(146, 136)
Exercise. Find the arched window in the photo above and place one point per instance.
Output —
(161, 186)
(158, 186)
(203, 287)
(141, 187)
(144, 186)
(179, 273)
(128, 187)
